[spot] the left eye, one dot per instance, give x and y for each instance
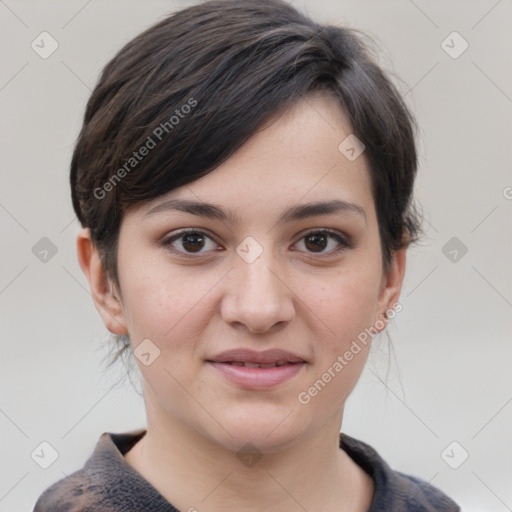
(318, 241)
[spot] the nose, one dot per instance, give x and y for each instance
(257, 296)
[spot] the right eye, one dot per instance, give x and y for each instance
(191, 241)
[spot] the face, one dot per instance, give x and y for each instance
(263, 297)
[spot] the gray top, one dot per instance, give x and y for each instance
(107, 483)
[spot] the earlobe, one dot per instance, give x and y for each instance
(103, 291)
(391, 286)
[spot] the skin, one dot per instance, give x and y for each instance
(298, 295)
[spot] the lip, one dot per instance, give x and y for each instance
(230, 365)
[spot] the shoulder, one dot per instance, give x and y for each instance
(70, 494)
(419, 496)
(103, 484)
(395, 490)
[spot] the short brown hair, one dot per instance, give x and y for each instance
(205, 79)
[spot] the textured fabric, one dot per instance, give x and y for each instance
(107, 483)
(395, 491)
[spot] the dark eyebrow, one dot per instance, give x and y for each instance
(297, 212)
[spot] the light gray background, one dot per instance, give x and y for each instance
(451, 377)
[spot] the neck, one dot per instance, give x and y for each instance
(195, 473)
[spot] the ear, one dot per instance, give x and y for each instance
(391, 286)
(103, 290)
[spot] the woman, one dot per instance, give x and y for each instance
(244, 181)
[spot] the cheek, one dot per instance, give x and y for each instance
(163, 305)
(171, 312)
(344, 315)
(345, 304)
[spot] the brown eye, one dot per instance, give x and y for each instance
(316, 242)
(189, 242)
(319, 241)
(192, 242)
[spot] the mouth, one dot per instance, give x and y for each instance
(257, 370)
(247, 364)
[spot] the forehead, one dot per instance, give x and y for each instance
(298, 156)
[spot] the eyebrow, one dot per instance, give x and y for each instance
(295, 213)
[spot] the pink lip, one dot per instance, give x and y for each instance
(257, 378)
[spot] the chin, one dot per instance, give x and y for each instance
(268, 428)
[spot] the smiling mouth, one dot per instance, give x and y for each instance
(258, 365)
(252, 370)
(257, 376)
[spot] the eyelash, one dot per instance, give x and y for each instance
(343, 242)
